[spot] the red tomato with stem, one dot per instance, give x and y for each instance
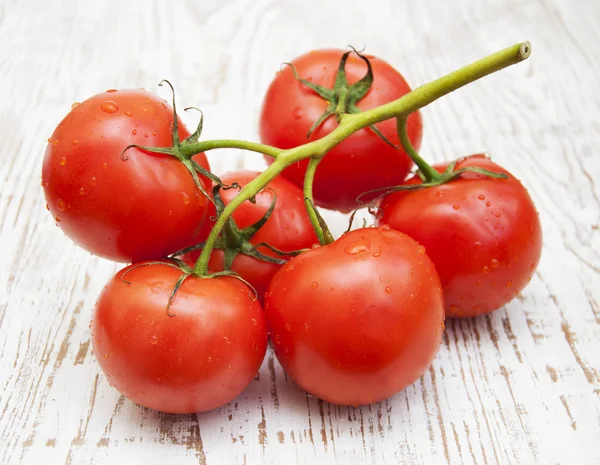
(483, 235)
(144, 208)
(358, 320)
(287, 229)
(199, 359)
(361, 162)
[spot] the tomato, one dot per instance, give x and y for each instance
(356, 321)
(142, 208)
(361, 162)
(483, 235)
(288, 228)
(199, 359)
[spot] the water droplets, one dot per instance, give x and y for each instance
(128, 113)
(134, 131)
(488, 203)
(110, 91)
(288, 327)
(305, 327)
(63, 161)
(358, 246)
(377, 253)
(75, 142)
(456, 206)
(109, 107)
(61, 205)
(105, 165)
(185, 198)
(486, 269)
(58, 219)
(477, 244)
(254, 322)
(509, 284)
(481, 197)
(420, 249)
(388, 290)
(74, 105)
(227, 340)
(156, 287)
(495, 263)
(314, 285)
(154, 340)
(81, 191)
(93, 181)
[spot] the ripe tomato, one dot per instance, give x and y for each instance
(199, 359)
(358, 320)
(288, 228)
(142, 208)
(483, 235)
(361, 162)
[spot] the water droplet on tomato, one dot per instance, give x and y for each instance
(456, 206)
(154, 340)
(154, 133)
(146, 135)
(305, 326)
(288, 327)
(495, 263)
(106, 355)
(486, 269)
(109, 107)
(388, 290)
(420, 249)
(456, 309)
(58, 219)
(73, 105)
(156, 287)
(209, 359)
(498, 214)
(134, 131)
(277, 339)
(63, 161)
(254, 322)
(111, 90)
(93, 181)
(128, 113)
(481, 197)
(227, 340)
(185, 198)
(61, 205)
(47, 207)
(488, 203)
(377, 253)
(314, 285)
(358, 246)
(290, 268)
(509, 284)
(315, 246)
(81, 191)
(532, 267)
(477, 244)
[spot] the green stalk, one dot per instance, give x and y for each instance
(425, 168)
(351, 123)
(189, 150)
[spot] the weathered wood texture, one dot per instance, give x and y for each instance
(520, 386)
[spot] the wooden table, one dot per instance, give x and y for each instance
(520, 386)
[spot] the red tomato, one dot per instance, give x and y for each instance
(199, 359)
(483, 235)
(142, 208)
(356, 321)
(361, 162)
(288, 228)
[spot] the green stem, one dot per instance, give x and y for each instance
(351, 123)
(319, 225)
(189, 150)
(425, 168)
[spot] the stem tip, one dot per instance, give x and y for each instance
(524, 51)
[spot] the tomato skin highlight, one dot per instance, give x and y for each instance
(144, 208)
(197, 360)
(356, 321)
(288, 228)
(483, 235)
(360, 163)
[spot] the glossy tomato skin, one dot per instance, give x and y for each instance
(288, 228)
(358, 320)
(197, 360)
(127, 211)
(361, 162)
(483, 235)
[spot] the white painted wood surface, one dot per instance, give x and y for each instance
(520, 386)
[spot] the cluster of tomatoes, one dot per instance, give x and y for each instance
(352, 321)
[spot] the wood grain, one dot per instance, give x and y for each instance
(520, 386)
